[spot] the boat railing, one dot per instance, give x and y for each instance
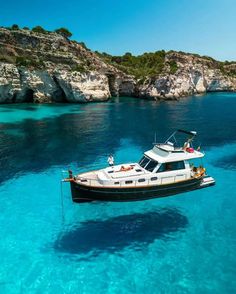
(124, 183)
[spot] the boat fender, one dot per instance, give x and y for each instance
(190, 150)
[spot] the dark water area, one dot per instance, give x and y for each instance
(179, 244)
(114, 234)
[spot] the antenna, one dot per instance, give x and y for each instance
(155, 138)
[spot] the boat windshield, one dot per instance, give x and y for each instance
(143, 162)
(148, 164)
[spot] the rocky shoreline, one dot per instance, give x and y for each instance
(45, 68)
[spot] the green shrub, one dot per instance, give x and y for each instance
(21, 61)
(233, 72)
(83, 45)
(15, 27)
(79, 67)
(208, 58)
(39, 29)
(145, 65)
(26, 28)
(29, 61)
(7, 58)
(64, 32)
(173, 66)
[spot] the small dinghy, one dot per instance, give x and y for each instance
(167, 169)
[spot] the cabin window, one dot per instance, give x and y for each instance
(141, 180)
(138, 170)
(178, 165)
(128, 182)
(153, 178)
(151, 165)
(162, 168)
(116, 183)
(144, 161)
(170, 166)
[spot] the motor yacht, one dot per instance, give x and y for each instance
(169, 168)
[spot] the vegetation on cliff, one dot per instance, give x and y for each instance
(68, 53)
(64, 32)
(151, 65)
(39, 29)
(145, 65)
(38, 48)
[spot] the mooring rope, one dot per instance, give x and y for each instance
(62, 204)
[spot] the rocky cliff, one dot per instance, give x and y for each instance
(193, 75)
(36, 67)
(43, 68)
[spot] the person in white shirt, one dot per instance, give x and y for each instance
(186, 145)
(110, 160)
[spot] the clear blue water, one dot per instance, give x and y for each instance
(179, 244)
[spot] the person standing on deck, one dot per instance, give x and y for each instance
(186, 144)
(110, 160)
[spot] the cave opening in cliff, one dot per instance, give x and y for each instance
(112, 85)
(14, 98)
(59, 95)
(29, 96)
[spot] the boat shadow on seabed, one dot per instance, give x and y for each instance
(116, 233)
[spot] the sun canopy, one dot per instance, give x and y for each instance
(192, 133)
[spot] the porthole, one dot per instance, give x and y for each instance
(128, 182)
(141, 180)
(153, 178)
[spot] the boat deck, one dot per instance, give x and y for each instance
(92, 179)
(89, 179)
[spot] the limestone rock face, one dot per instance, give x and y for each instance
(195, 75)
(38, 87)
(84, 87)
(44, 68)
(22, 85)
(9, 82)
(122, 85)
(215, 81)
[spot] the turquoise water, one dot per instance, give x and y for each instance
(180, 244)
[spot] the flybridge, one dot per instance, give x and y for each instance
(160, 154)
(175, 139)
(175, 148)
